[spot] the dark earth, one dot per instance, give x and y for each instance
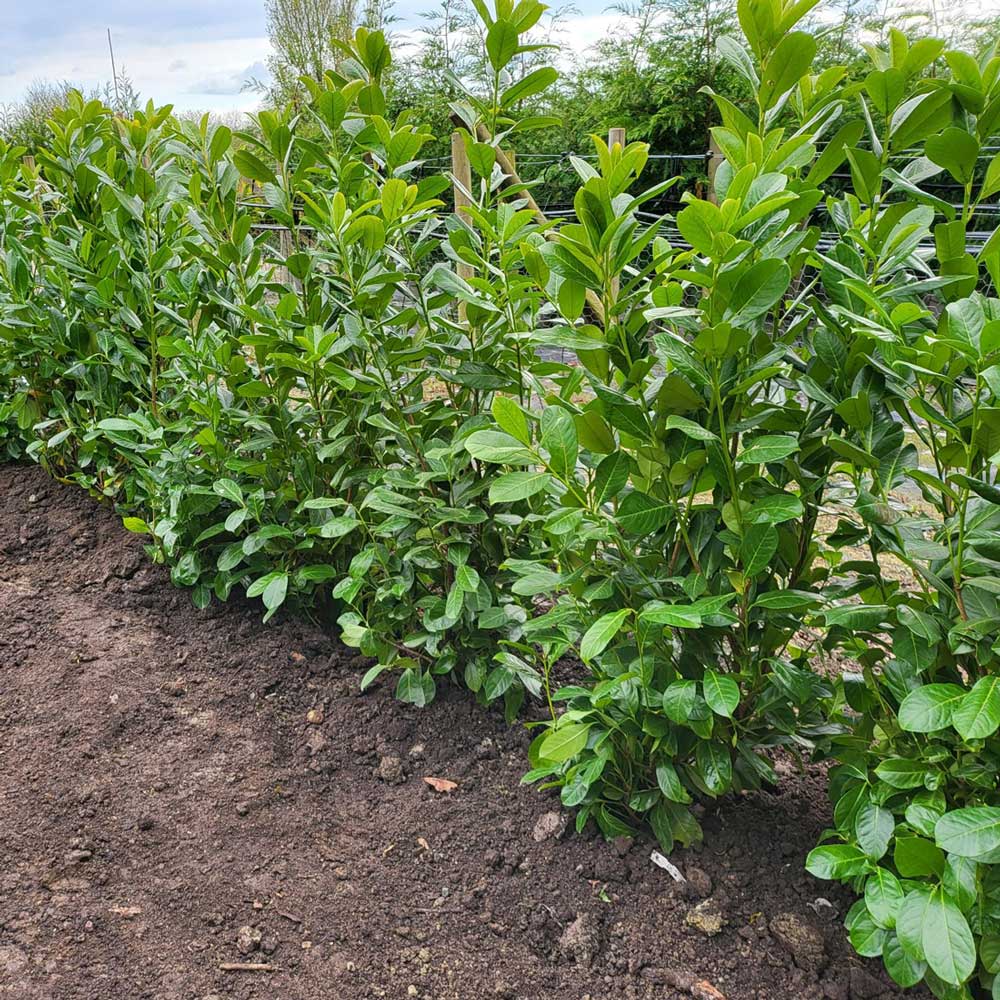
(184, 790)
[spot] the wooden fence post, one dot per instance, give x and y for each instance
(461, 171)
(503, 160)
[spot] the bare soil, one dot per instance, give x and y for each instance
(181, 790)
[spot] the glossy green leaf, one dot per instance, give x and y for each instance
(722, 693)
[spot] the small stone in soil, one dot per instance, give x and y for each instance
(864, 986)
(698, 885)
(622, 845)
(581, 941)
(837, 988)
(706, 917)
(702, 990)
(802, 941)
(550, 826)
(248, 939)
(390, 770)
(316, 741)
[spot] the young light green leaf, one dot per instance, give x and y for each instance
(874, 827)
(883, 897)
(515, 486)
(564, 742)
(970, 833)
(949, 947)
(837, 861)
(496, 446)
(597, 637)
(977, 715)
(929, 708)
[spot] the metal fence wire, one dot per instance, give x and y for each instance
(552, 181)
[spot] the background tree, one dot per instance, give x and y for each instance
(304, 36)
(24, 122)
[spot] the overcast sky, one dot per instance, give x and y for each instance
(194, 54)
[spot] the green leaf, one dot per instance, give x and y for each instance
(904, 970)
(989, 951)
(466, 579)
(495, 446)
(900, 772)
(774, 509)
(679, 700)
(641, 514)
(674, 615)
(923, 812)
(916, 856)
(559, 440)
(955, 150)
(228, 489)
(883, 897)
(597, 637)
(518, 486)
(722, 693)
(920, 117)
(757, 547)
(874, 827)
(511, 418)
(670, 784)
(372, 674)
(252, 167)
(262, 583)
(690, 428)
(910, 922)
(759, 288)
(977, 715)
(969, 833)
(715, 766)
(415, 687)
(699, 223)
(960, 881)
(501, 43)
(768, 448)
(338, 527)
(949, 947)
(837, 861)
(785, 66)
(275, 592)
(929, 708)
(610, 477)
(136, 525)
(533, 83)
(786, 600)
(564, 742)
(867, 938)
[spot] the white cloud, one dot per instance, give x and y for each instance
(203, 75)
(196, 54)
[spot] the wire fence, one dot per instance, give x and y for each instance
(552, 180)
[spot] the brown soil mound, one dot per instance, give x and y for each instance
(183, 790)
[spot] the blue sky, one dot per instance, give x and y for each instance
(195, 54)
